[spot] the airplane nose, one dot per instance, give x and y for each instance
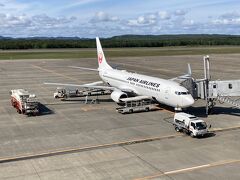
(187, 101)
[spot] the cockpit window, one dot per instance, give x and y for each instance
(177, 93)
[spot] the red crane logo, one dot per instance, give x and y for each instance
(100, 57)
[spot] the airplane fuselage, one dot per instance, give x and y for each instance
(164, 91)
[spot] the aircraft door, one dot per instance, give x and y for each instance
(167, 92)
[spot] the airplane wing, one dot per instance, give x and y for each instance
(182, 78)
(91, 86)
(83, 68)
(94, 83)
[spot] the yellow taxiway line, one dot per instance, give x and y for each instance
(178, 171)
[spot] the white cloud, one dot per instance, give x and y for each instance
(231, 18)
(164, 22)
(164, 15)
(149, 19)
(44, 20)
(103, 17)
(230, 15)
(146, 20)
(180, 12)
(227, 21)
(160, 17)
(7, 20)
(23, 25)
(41, 21)
(188, 22)
(32, 23)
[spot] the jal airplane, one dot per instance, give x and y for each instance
(123, 83)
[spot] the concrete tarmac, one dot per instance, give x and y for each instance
(65, 125)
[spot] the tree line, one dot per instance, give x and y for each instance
(120, 41)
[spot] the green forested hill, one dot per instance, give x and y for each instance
(120, 41)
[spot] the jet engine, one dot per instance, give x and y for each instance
(117, 95)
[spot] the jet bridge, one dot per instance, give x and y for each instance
(213, 90)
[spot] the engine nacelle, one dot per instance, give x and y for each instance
(117, 95)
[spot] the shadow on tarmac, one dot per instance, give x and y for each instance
(88, 101)
(208, 135)
(201, 111)
(44, 110)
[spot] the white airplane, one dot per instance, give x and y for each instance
(123, 84)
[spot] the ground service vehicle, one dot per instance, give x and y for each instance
(24, 102)
(189, 124)
(64, 93)
(136, 104)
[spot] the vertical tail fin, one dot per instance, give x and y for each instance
(102, 63)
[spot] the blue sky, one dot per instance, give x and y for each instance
(106, 18)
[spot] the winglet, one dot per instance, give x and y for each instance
(189, 70)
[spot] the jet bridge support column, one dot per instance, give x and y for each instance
(207, 78)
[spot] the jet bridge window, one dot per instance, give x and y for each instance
(230, 86)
